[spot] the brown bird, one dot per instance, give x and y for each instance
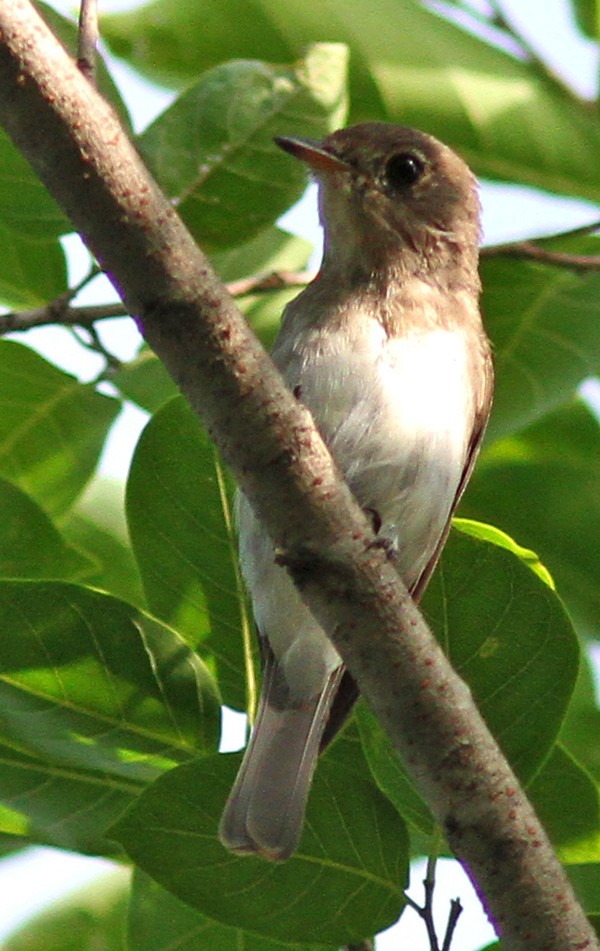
(386, 348)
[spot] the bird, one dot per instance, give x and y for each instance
(387, 349)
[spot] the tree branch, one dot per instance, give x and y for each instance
(59, 311)
(74, 141)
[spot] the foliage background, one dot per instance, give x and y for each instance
(102, 695)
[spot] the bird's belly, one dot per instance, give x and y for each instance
(398, 418)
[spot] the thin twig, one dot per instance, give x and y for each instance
(275, 280)
(59, 311)
(455, 912)
(88, 39)
(533, 252)
(95, 345)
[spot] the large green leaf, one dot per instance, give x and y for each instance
(543, 322)
(90, 919)
(30, 545)
(52, 428)
(158, 921)
(409, 65)
(97, 699)
(345, 881)
(31, 272)
(212, 150)
(507, 635)
(178, 509)
(542, 486)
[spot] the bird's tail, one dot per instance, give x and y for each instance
(265, 810)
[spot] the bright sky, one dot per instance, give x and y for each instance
(31, 881)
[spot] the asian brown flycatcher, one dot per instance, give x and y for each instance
(386, 348)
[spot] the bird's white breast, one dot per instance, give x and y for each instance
(397, 414)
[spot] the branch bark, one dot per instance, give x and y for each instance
(74, 141)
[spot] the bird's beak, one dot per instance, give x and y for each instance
(311, 152)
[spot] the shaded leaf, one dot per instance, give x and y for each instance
(52, 428)
(212, 149)
(111, 567)
(543, 322)
(31, 272)
(158, 921)
(182, 538)
(89, 919)
(345, 881)
(581, 728)
(542, 485)
(507, 635)
(562, 779)
(25, 206)
(30, 545)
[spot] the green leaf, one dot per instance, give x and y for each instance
(271, 250)
(212, 149)
(543, 322)
(581, 728)
(90, 919)
(26, 208)
(344, 883)
(30, 545)
(587, 15)
(585, 879)
(91, 682)
(97, 699)
(31, 272)
(560, 779)
(160, 922)
(111, 567)
(145, 381)
(508, 636)
(542, 486)
(178, 509)
(52, 428)
(409, 65)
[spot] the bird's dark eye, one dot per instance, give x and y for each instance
(403, 170)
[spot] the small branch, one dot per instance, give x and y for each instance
(95, 345)
(88, 39)
(533, 252)
(269, 282)
(55, 313)
(59, 311)
(456, 910)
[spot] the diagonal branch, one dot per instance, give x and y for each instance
(73, 140)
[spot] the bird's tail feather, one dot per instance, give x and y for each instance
(265, 810)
